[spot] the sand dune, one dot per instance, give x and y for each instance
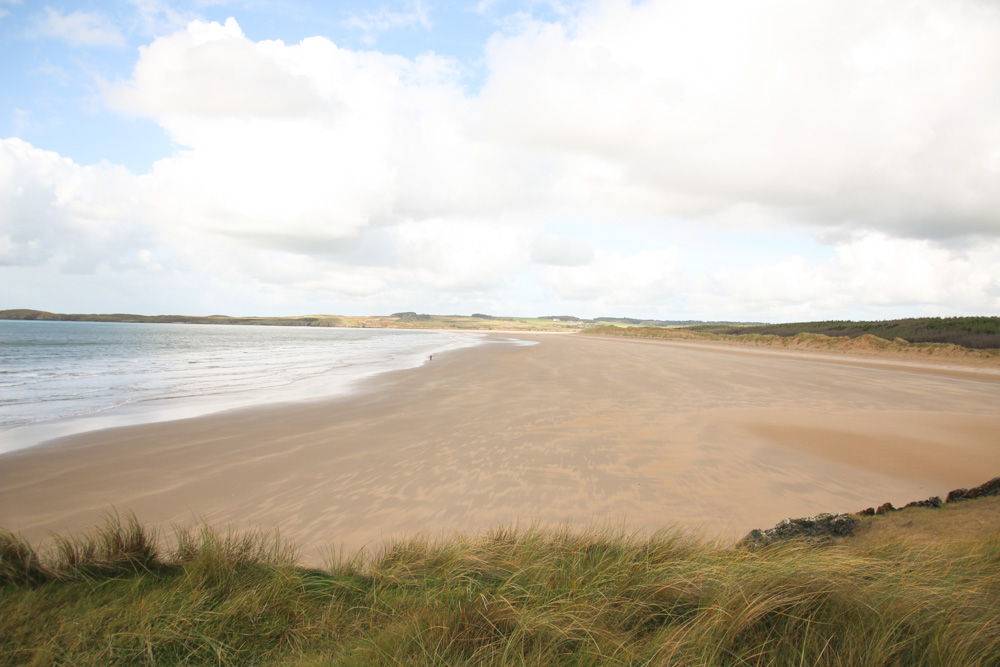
(573, 430)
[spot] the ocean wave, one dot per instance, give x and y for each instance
(82, 369)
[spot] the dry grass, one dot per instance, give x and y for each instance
(507, 597)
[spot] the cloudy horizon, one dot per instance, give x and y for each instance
(671, 159)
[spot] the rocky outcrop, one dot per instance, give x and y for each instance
(819, 529)
(825, 528)
(990, 488)
(932, 502)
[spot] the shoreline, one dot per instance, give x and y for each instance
(339, 378)
(575, 431)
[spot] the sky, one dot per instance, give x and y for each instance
(774, 160)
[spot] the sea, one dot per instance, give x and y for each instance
(63, 378)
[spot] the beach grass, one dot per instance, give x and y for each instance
(803, 339)
(119, 596)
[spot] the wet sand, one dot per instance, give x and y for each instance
(574, 431)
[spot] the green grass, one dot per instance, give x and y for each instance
(118, 597)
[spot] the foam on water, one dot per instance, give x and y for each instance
(60, 378)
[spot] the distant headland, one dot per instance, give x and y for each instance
(977, 333)
(402, 320)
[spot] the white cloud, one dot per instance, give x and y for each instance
(74, 218)
(78, 28)
(871, 276)
(307, 141)
(832, 113)
(627, 280)
(560, 251)
(450, 255)
(212, 72)
(854, 116)
(308, 168)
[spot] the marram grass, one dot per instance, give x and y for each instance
(518, 597)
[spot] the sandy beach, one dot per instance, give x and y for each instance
(574, 431)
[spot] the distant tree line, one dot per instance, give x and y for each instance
(410, 316)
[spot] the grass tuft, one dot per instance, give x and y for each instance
(19, 563)
(234, 548)
(121, 544)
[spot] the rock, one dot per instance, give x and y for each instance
(990, 488)
(885, 508)
(956, 494)
(934, 502)
(820, 529)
